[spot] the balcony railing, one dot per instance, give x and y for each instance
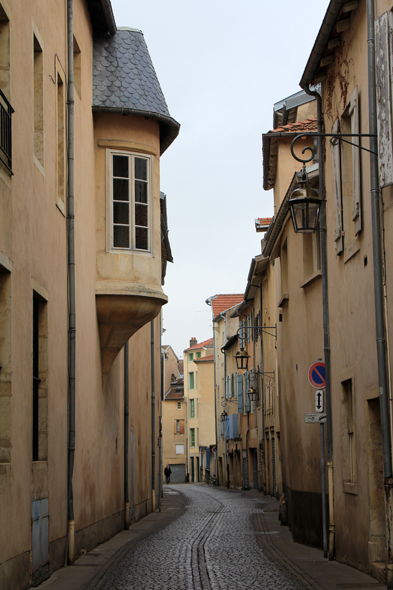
(6, 111)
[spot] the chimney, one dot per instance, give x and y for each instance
(193, 342)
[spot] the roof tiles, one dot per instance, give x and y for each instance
(204, 344)
(221, 303)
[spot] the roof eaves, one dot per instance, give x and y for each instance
(169, 128)
(278, 220)
(102, 16)
(328, 24)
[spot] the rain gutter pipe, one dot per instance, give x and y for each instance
(378, 290)
(71, 286)
(209, 302)
(262, 397)
(126, 433)
(328, 549)
(153, 417)
(223, 316)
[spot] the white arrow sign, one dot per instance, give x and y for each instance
(319, 400)
(311, 418)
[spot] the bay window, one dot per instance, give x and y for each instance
(130, 226)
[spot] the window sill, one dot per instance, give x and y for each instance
(350, 488)
(351, 250)
(311, 278)
(283, 299)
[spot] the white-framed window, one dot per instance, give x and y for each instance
(179, 449)
(129, 201)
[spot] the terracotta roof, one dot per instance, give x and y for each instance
(221, 303)
(204, 344)
(176, 390)
(203, 359)
(270, 147)
(262, 223)
(307, 125)
(174, 394)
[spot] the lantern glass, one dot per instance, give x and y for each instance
(242, 359)
(305, 205)
(252, 394)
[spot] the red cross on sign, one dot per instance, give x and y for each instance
(316, 375)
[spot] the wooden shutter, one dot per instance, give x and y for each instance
(240, 394)
(226, 387)
(230, 383)
(383, 62)
(181, 426)
(175, 424)
(338, 234)
(354, 114)
(246, 388)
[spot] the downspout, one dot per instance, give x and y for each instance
(126, 431)
(326, 329)
(223, 316)
(262, 400)
(162, 361)
(225, 385)
(71, 286)
(153, 418)
(378, 290)
(209, 302)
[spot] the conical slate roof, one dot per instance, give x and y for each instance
(124, 80)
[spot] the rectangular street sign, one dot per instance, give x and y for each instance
(311, 418)
(319, 400)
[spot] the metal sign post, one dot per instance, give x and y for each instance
(316, 378)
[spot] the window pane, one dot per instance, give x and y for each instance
(141, 168)
(140, 191)
(121, 213)
(141, 215)
(141, 238)
(121, 236)
(120, 189)
(120, 166)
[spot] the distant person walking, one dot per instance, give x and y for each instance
(167, 472)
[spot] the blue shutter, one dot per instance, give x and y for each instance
(207, 457)
(240, 394)
(247, 387)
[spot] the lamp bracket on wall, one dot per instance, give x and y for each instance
(334, 139)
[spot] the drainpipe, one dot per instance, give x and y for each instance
(153, 418)
(326, 331)
(126, 431)
(378, 291)
(162, 361)
(225, 384)
(262, 399)
(71, 286)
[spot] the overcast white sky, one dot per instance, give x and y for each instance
(221, 65)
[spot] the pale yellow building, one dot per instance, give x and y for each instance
(82, 253)
(199, 395)
(174, 414)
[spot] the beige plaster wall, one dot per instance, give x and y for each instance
(33, 247)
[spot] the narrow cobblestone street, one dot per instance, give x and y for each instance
(220, 541)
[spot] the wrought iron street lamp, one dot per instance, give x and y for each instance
(252, 394)
(305, 205)
(242, 359)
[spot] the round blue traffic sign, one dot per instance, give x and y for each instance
(316, 375)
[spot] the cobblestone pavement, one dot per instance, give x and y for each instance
(218, 543)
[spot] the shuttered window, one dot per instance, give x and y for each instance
(347, 176)
(240, 394)
(247, 387)
(192, 437)
(179, 426)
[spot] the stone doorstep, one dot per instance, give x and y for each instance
(378, 571)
